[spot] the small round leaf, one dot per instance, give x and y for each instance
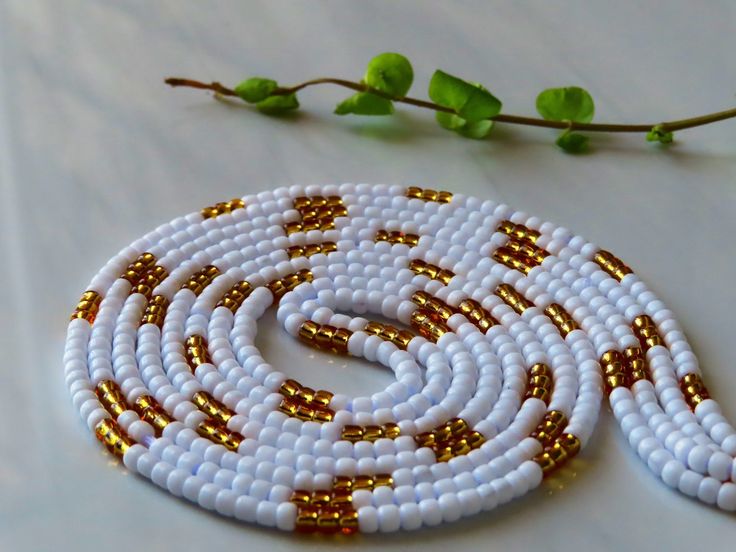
(571, 103)
(470, 100)
(275, 105)
(365, 103)
(390, 73)
(572, 142)
(255, 89)
(476, 130)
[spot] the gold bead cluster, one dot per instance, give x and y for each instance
(396, 237)
(400, 338)
(201, 279)
(152, 412)
(451, 439)
(480, 317)
(217, 433)
(355, 433)
(109, 432)
(614, 370)
(636, 364)
(418, 266)
(438, 309)
(611, 264)
(520, 255)
(138, 268)
(513, 298)
(222, 208)
(310, 249)
(562, 449)
(646, 331)
(109, 394)
(281, 286)
(550, 428)
(623, 369)
(156, 311)
(561, 318)
(317, 213)
(212, 407)
(540, 382)
(305, 403)
(234, 297)
(325, 337)
(694, 390)
(427, 326)
(518, 232)
(149, 280)
(331, 510)
(196, 351)
(428, 194)
(87, 307)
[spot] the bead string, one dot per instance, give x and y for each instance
(506, 333)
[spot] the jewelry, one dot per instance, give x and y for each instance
(508, 332)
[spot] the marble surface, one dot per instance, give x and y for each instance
(95, 151)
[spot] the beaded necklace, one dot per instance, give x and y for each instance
(505, 334)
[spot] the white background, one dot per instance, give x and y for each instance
(95, 151)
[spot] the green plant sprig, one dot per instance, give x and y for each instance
(464, 107)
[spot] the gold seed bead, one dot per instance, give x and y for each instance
(288, 407)
(372, 433)
(212, 407)
(363, 482)
(540, 369)
(570, 442)
(352, 433)
(217, 433)
(444, 454)
(507, 258)
(322, 398)
(300, 497)
(475, 439)
(306, 519)
(290, 388)
(612, 265)
(323, 415)
(426, 439)
(348, 522)
(305, 394)
(342, 482)
(391, 430)
(518, 231)
(308, 331)
(304, 412)
(111, 397)
(513, 298)
(546, 462)
(113, 437)
(320, 497)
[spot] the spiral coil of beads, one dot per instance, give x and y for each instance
(503, 333)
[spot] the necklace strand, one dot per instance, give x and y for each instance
(505, 334)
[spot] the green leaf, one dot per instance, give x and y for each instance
(255, 89)
(476, 129)
(275, 105)
(470, 100)
(390, 73)
(365, 103)
(659, 134)
(566, 104)
(572, 142)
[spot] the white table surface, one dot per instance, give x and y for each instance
(95, 151)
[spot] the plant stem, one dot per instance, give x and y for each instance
(669, 126)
